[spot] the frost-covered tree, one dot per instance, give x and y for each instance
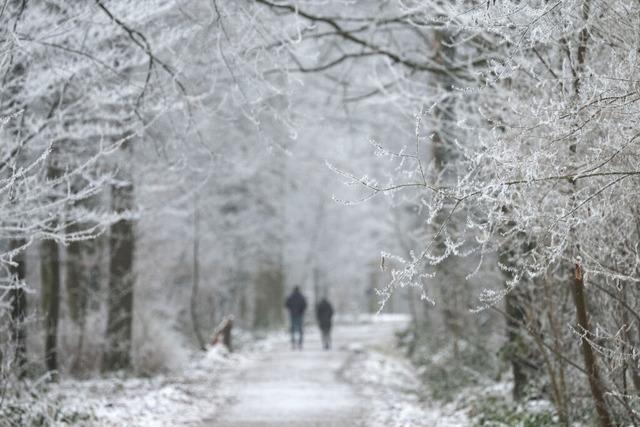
(73, 99)
(543, 99)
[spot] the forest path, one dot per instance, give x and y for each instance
(286, 388)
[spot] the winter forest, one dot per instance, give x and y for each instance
(459, 179)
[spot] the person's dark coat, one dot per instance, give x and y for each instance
(324, 313)
(296, 303)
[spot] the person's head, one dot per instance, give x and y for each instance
(296, 288)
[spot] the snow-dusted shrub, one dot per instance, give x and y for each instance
(157, 346)
(491, 410)
(28, 404)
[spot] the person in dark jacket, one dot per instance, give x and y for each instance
(324, 313)
(296, 304)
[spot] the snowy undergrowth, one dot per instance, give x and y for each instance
(466, 379)
(164, 400)
(493, 407)
(399, 398)
(395, 394)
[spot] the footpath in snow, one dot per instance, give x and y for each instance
(362, 382)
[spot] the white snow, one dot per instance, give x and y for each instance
(360, 382)
(354, 384)
(395, 395)
(186, 398)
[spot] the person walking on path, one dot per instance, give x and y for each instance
(296, 304)
(324, 313)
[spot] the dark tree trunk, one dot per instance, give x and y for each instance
(226, 334)
(590, 362)
(50, 277)
(50, 273)
(515, 322)
(79, 280)
(196, 277)
(514, 305)
(82, 279)
(121, 281)
(18, 331)
(76, 286)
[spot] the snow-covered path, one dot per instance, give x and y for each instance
(364, 382)
(282, 387)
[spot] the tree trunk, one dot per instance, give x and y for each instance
(269, 298)
(50, 273)
(629, 344)
(515, 322)
(76, 293)
(82, 279)
(82, 275)
(452, 299)
(121, 280)
(557, 376)
(516, 329)
(590, 363)
(196, 276)
(226, 334)
(18, 331)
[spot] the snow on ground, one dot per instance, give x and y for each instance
(362, 382)
(280, 387)
(394, 394)
(182, 399)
